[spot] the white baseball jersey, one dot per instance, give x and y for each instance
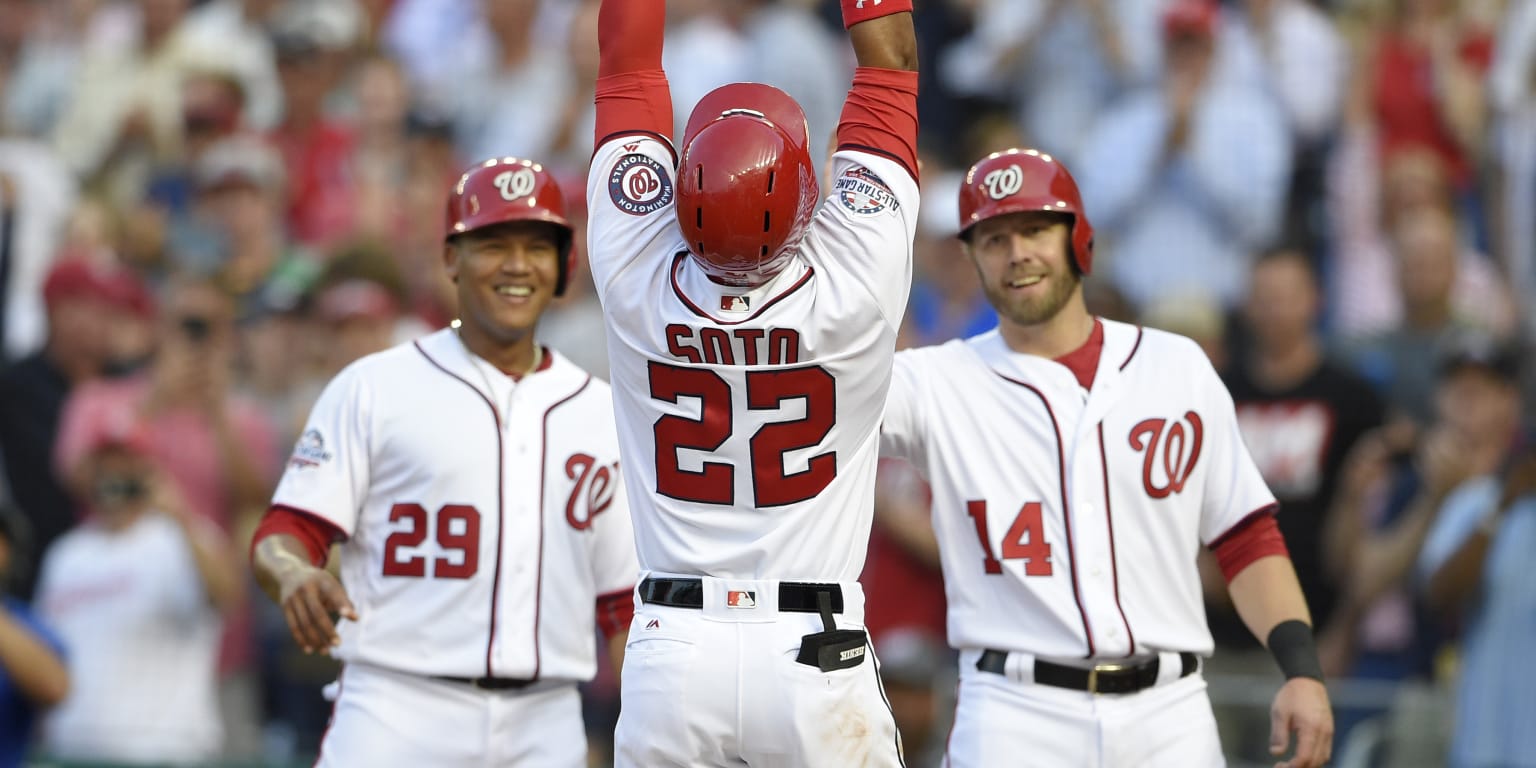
(749, 418)
(1069, 520)
(483, 515)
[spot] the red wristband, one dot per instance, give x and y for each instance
(856, 11)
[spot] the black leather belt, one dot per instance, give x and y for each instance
(794, 596)
(1100, 678)
(490, 683)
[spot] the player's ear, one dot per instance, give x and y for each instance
(451, 260)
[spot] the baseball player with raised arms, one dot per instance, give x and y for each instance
(750, 342)
(1077, 465)
(473, 477)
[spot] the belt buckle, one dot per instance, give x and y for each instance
(1093, 674)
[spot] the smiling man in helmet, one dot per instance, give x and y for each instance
(471, 477)
(750, 339)
(1074, 482)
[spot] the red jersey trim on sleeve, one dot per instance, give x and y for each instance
(615, 610)
(1257, 536)
(634, 102)
(880, 115)
(314, 532)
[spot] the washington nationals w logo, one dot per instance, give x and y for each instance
(1003, 182)
(594, 483)
(1157, 437)
(514, 184)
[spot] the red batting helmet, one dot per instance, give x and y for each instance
(746, 186)
(505, 189)
(1018, 180)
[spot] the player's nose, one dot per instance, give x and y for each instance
(516, 261)
(1020, 249)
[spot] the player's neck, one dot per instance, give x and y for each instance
(518, 358)
(1062, 334)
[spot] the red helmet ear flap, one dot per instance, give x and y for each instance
(1018, 180)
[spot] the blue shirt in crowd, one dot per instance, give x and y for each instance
(1496, 695)
(18, 717)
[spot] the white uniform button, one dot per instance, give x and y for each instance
(1114, 632)
(1086, 509)
(1097, 571)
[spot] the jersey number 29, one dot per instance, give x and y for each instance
(715, 482)
(463, 538)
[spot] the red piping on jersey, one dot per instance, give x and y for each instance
(330, 721)
(1134, 347)
(677, 263)
(1114, 562)
(1066, 511)
(500, 502)
(538, 588)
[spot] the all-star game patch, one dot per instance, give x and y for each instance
(638, 185)
(861, 191)
(310, 450)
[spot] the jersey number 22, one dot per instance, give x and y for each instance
(715, 482)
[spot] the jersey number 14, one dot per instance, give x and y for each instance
(1025, 539)
(715, 481)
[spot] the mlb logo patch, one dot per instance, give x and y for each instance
(735, 304)
(740, 599)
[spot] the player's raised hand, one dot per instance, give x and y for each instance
(310, 596)
(1301, 707)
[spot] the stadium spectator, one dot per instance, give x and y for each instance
(1187, 177)
(83, 298)
(33, 677)
(1400, 362)
(1475, 568)
(1061, 63)
(135, 593)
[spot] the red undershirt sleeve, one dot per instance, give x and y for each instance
(632, 91)
(316, 534)
(1254, 538)
(615, 610)
(880, 115)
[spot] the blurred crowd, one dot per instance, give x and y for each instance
(208, 208)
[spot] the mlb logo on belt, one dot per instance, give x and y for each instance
(738, 599)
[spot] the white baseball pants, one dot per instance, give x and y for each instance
(1003, 720)
(719, 686)
(388, 719)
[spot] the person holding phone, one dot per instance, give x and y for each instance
(136, 593)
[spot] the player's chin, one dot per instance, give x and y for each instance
(516, 320)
